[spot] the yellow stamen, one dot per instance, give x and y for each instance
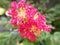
(35, 30)
(22, 12)
(35, 16)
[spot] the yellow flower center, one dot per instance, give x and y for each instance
(35, 16)
(22, 13)
(35, 30)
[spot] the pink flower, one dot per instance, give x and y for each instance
(14, 5)
(29, 30)
(29, 21)
(13, 21)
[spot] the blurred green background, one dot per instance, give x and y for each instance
(49, 8)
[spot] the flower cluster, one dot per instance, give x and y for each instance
(29, 21)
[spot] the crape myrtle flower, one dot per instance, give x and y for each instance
(29, 21)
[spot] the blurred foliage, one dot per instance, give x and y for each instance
(7, 38)
(5, 3)
(4, 24)
(52, 15)
(11, 38)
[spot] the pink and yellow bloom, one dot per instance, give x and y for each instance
(29, 21)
